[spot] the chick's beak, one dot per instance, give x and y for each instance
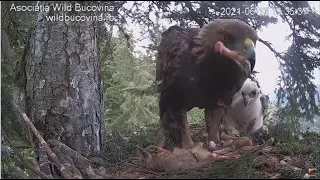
(249, 52)
(245, 100)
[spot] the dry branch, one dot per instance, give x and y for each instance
(29, 166)
(99, 162)
(67, 162)
(65, 173)
(82, 163)
(269, 45)
(269, 142)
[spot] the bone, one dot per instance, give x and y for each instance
(223, 157)
(212, 145)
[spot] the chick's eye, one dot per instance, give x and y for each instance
(254, 93)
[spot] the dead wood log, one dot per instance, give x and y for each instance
(67, 162)
(29, 166)
(82, 163)
(43, 159)
(65, 172)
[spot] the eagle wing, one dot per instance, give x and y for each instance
(174, 46)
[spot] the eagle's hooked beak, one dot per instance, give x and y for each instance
(245, 100)
(249, 52)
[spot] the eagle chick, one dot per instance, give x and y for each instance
(247, 110)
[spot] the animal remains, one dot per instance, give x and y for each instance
(159, 159)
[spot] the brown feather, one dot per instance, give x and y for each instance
(175, 42)
(215, 31)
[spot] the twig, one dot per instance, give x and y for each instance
(294, 19)
(150, 48)
(199, 20)
(277, 176)
(267, 143)
(268, 44)
(99, 161)
(126, 35)
(65, 173)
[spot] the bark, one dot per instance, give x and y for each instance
(63, 88)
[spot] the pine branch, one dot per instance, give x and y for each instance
(269, 45)
(200, 21)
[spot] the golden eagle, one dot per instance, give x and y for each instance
(201, 67)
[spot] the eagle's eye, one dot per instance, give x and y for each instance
(227, 38)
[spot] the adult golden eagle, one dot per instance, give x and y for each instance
(202, 67)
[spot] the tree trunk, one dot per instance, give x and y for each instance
(63, 89)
